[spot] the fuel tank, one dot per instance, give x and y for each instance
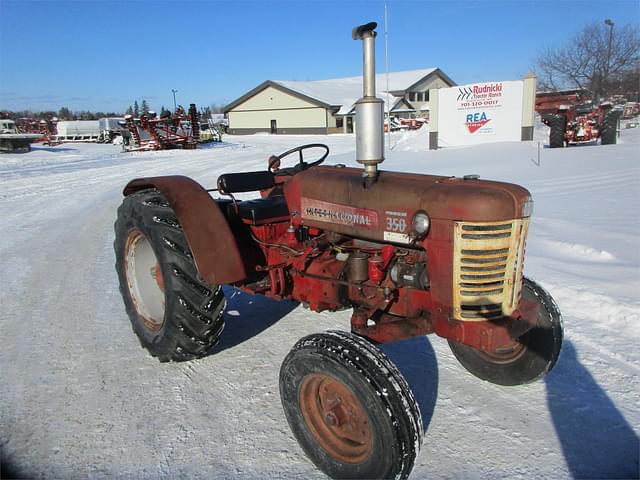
(335, 198)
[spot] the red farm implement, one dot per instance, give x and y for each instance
(179, 130)
(572, 119)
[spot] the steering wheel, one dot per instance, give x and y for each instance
(274, 160)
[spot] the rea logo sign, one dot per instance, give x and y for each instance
(482, 112)
(476, 121)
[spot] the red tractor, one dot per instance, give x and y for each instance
(410, 254)
(572, 124)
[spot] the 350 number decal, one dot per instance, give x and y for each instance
(396, 224)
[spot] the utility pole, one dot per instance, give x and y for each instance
(609, 23)
(175, 107)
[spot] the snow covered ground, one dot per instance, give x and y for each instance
(80, 398)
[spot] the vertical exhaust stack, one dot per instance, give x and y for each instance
(369, 109)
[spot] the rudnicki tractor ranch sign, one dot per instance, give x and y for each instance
(480, 113)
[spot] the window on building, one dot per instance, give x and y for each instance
(413, 96)
(339, 122)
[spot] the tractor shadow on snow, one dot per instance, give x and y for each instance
(416, 360)
(247, 315)
(596, 439)
(52, 149)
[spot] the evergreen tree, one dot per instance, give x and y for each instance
(163, 112)
(64, 113)
(136, 109)
(129, 111)
(145, 107)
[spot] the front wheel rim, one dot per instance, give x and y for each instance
(144, 280)
(509, 353)
(336, 419)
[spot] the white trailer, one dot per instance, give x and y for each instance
(78, 131)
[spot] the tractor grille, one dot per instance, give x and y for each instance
(487, 268)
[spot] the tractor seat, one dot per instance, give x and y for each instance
(245, 182)
(264, 210)
(258, 211)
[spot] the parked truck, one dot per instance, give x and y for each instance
(13, 141)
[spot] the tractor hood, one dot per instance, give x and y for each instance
(334, 198)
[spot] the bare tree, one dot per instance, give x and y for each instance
(217, 108)
(599, 58)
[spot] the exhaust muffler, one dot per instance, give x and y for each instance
(369, 109)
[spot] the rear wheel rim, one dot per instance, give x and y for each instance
(336, 419)
(144, 280)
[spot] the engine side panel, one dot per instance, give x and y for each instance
(335, 198)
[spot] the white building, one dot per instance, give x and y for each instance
(328, 106)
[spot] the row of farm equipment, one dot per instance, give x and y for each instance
(181, 129)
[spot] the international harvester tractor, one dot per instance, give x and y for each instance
(410, 254)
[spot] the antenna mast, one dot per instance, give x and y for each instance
(386, 65)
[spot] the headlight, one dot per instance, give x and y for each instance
(421, 223)
(527, 208)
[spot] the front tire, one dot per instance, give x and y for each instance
(531, 357)
(175, 314)
(350, 408)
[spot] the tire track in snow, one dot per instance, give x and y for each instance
(588, 187)
(50, 327)
(595, 178)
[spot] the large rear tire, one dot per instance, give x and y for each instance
(557, 126)
(530, 357)
(175, 314)
(350, 408)
(609, 128)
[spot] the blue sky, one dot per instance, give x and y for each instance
(103, 55)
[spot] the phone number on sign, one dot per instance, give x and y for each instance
(483, 103)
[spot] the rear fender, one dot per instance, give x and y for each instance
(214, 248)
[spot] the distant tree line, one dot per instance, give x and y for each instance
(602, 58)
(142, 108)
(62, 114)
(136, 110)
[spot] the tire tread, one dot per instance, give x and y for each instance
(193, 308)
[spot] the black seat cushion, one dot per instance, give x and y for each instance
(262, 209)
(245, 182)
